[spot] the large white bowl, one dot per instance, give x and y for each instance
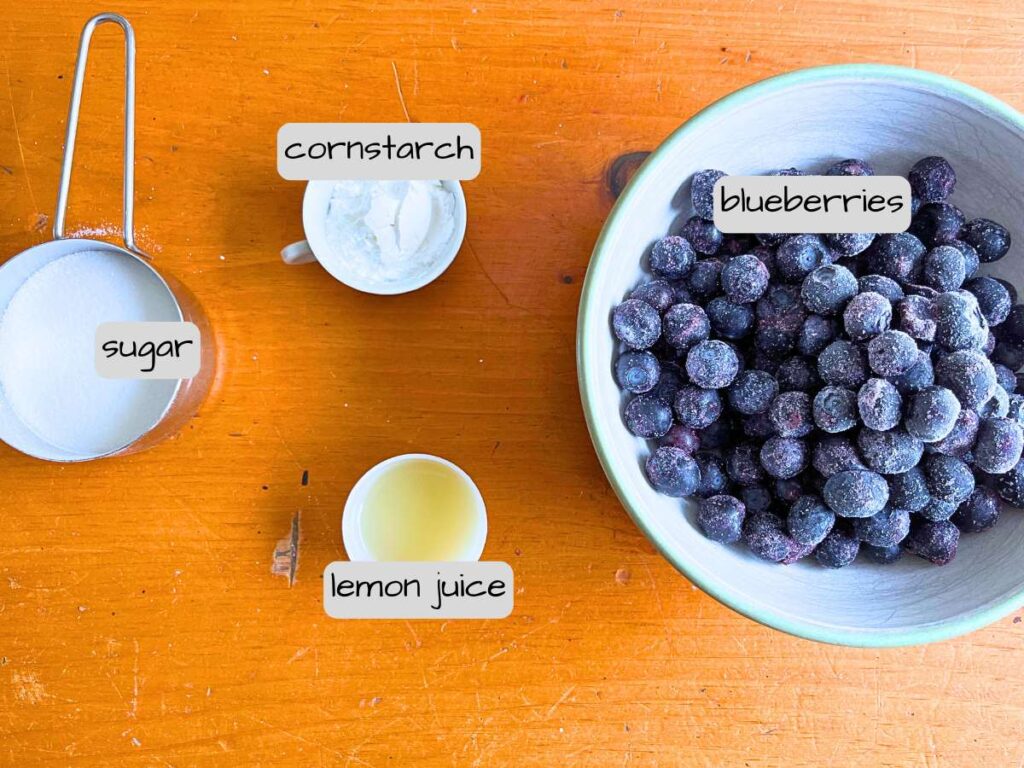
(890, 116)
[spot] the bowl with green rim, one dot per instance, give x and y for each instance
(891, 117)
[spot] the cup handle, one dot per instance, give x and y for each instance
(298, 253)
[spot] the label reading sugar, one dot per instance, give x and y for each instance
(406, 590)
(147, 350)
(822, 204)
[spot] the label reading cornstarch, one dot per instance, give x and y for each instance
(384, 151)
(822, 204)
(147, 350)
(399, 590)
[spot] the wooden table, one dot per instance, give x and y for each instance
(140, 621)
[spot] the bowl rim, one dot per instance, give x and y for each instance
(599, 434)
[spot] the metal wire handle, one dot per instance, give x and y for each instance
(129, 126)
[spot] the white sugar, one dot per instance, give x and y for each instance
(47, 337)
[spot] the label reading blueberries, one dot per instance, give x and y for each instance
(147, 350)
(818, 204)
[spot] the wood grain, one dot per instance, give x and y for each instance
(140, 623)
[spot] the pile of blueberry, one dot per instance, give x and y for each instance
(827, 395)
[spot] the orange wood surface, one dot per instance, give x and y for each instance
(140, 621)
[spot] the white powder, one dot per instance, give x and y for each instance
(47, 337)
(388, 231)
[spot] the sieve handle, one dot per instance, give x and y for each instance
(129, 125)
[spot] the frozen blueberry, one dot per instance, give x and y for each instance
(703, 280)
(892, 353)
(669, 383)
(856, 493)
(989, 239)
(1005, 378)
(886, 286)
(838, 550)
(781, 310)
(835, 409)
(826, 290)
(719, 435)
(721, 518)
(969, 374)
(879, 404)
(843, 363)
(809, 520)
(712, 364)
(849, 243)
(920, 376)
(702, 192)
(756, 498)
(728, 319)
(867, 315)
(771, 343)
(735, 244)
(943, 268)
(997, 406)
(934, 541)
(697, 408)
(937, 510)
(684, 438)
(961, 438)
(891, 452)
(788, 491)
(713, 479)
(883, 555)
(1010, 486)
(850, 168)
(648, 416)
(757, 426)
(752, 392)
(703, 235)
(765, 536)
(999, 445)
(783, 457)
(788, 172)
(816, 333)
(1009, 351)
(883, 529)
(990, 343)
(636, 323)
(790, 414)
(798, 374)
(909, 490)
(898, 256)
(671, 471)
(971, 260)
(915, 316)
(685, 325)
(743, 464)
(798, 255)
(932, 414)
(672, 257)
(959, 323)
(978, 513)
(1015, 409)
(949, 479)
(744, 279)
(932, 179)
(1010, 287)
(637, 372)
(993, 298)
(833, 454)
(937, 223)
(658, 293)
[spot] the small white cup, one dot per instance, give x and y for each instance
(315, 247)
(352, 517)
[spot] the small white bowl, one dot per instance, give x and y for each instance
(315, 247)
(352, 517)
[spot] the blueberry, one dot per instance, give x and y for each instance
(909, 490)
(990, 343)
(827, 289)
(671, 471)
(978, 513)
(835, 409)
(734, 244)
(773, 343)
(790, 414)
(867, 315)
(934, 541)
(937, 223)
(702, 192)
(969, 374)
(849, 243)
(816, 333)
(879, 404)
(672, 257)
(932, 414)
(989, 239)
(721, 518)
(837, 550)
(648, 416)
(999, 445)
(798, 374)
(697, 408)
(658, 293)
(684, 438)
(843, 363)
(765, 536)
(637, 372)
(920, 376)
(781, 310)
(850, 168)
(713, 479)
(798, 255)
(943, 268)
(743, 464)
(993, 298)
(892, 353)
(685, 325)
(997, 406)
(1015, 409)
(809, 520)
(1010, 486)
(752, 392)
(712, 364)
(1005, 378)
(833, 454)
(932, 179)
(783, 457)
(937, 510)
(788, 172)
(669, 383)
(757, 426)
(886, 286)
(717, 436)
(915, 316)
(730, 320)
(961, 438)
(949, 479)
(971, 260)
(636, 323)
(891, 452)
(756, 498)
(959, 323)
(788, 491)
(703, 235)
(883, 555)
(703, 280)
(1009, 351)
(744, 279)
(856, 493)
(898, 256)
(883, 529)
(1010, 287)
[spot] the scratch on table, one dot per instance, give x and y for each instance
(27, 688)
(17, 134)
(286, 553)
(133, 710)
(401, 96)
(561, 700)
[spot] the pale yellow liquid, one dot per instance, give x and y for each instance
(419, 510)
